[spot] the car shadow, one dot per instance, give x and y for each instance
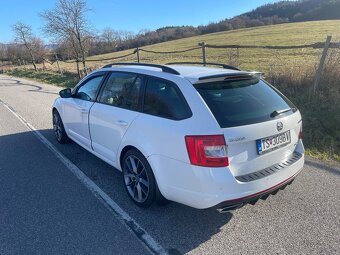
(176, 227)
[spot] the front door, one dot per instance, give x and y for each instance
(113, 113)
(76, 109)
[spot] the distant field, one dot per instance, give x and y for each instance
(250, 59)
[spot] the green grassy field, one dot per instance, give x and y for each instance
(292, 71)
(67, 79)
(249, 59)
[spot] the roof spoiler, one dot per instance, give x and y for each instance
(204, 64)
(231, 77)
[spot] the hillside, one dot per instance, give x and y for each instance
(303, 10)
(277, 13)
(251, 59)
(269, 14)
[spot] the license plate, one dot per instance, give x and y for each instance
(271, 143)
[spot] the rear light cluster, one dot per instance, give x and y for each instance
(207, 150)
(300, 133)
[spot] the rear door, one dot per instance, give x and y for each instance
(260, 125)
(76, 108)
(116, 108)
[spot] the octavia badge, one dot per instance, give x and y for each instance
(279, 126)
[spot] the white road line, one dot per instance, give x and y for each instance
(120, 214)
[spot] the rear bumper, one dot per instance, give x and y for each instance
(233, 204)
(203, 188)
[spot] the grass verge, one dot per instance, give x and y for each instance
(66, 79)
(320, 111)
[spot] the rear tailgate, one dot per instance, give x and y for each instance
(243, 152)
(261, 126)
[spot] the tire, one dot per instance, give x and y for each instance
(58, 128)
(139, 180)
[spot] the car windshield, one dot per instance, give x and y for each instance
(243, 102)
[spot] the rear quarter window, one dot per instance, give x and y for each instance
(163, 99)
(242, 102)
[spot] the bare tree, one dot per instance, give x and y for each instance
(126, 35)
(24, 36)
(68, 21)
(14, 52)
(110, 37)
(39, 49)
(3, 52)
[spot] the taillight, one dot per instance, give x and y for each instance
(300, 133)
(207, 150)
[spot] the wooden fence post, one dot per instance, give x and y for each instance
(78, 69)
(56, 58)
(322, 63)
(204, 57)
(137, 51)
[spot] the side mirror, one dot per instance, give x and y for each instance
(65, 93)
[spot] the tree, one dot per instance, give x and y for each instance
(110, 37)
(3, 52)
(24, 36)
(14, 52)
(68, 21)
(39, 50)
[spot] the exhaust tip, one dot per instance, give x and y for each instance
(229, 208)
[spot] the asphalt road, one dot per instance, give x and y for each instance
(45, 209)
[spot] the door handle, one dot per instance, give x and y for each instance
(121, 122)
(82, 110)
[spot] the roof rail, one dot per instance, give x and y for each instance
(208, 63)
(164, 68)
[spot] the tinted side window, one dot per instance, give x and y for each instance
(163, 100)
(89, 89)
(122, 90)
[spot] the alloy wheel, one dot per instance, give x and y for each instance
(57, 127)
(136, 179)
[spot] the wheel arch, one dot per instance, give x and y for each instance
(124, 151)
(57, 107)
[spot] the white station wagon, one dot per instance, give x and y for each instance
(201, 136)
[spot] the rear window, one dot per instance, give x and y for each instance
(243, 102)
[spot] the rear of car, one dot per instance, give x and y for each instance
(255, 150)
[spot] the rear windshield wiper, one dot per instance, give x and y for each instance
(277, 113)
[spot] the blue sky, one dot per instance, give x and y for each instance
(131, 15)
